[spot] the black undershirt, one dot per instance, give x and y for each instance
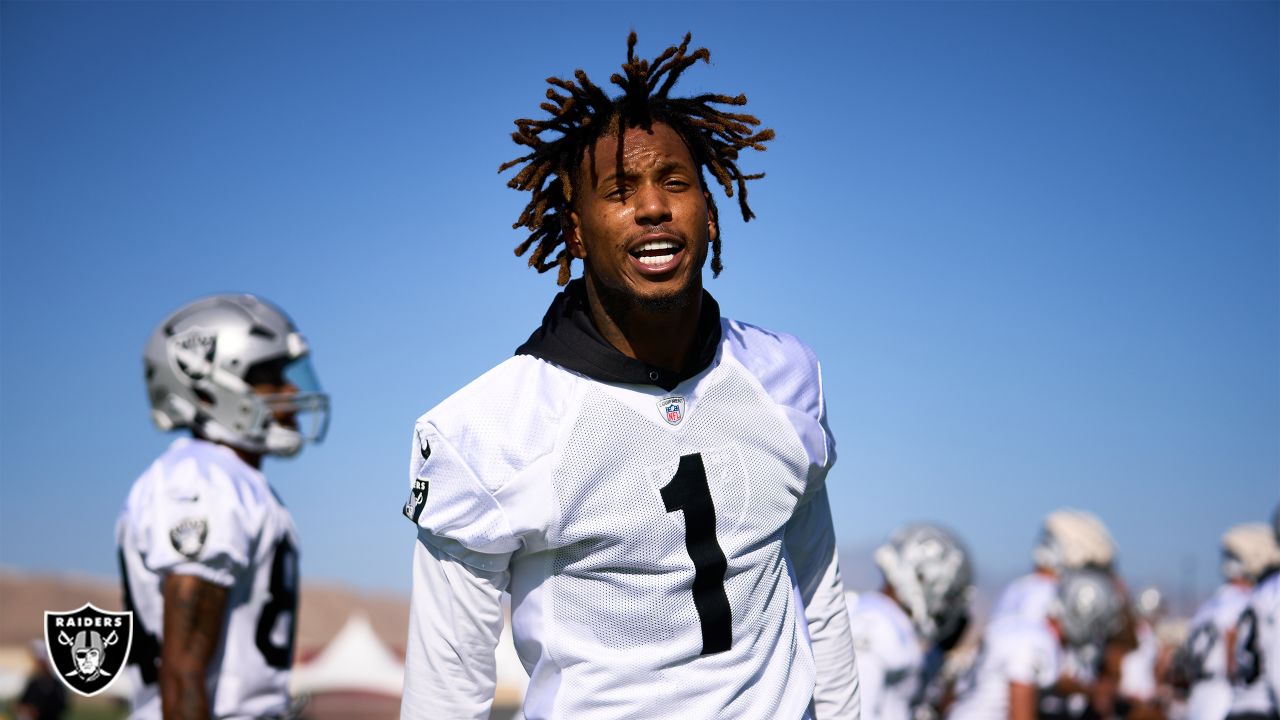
(569, 338)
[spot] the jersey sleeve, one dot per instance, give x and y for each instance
(455, 621)
(791, 375)
(198, 522)
(811, 547)
(478, 463)
(459, 514)
(1032, 660)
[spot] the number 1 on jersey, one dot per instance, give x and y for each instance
(689, 493)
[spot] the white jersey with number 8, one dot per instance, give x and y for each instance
(200, 510)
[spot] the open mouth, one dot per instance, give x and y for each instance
(658, 255)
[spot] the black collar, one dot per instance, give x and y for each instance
(569, 339)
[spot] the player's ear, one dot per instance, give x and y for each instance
(573, 237)
(713, 227)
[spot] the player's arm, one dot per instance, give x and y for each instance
(810, 541)
(1022, 701)
(455, 620)
(193, 615)
(1229, 647)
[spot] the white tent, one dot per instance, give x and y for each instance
(354, 661)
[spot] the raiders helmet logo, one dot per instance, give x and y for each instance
(188, 536)
(88, 647)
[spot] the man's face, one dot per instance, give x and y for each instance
(642, 228)
(87, 661)
(269, 379)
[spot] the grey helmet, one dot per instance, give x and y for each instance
(1087, 608)
(203, 361)
(929, 570)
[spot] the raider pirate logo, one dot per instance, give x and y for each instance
(88, 647)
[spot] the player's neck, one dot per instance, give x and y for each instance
(253, 460)
(662, 336)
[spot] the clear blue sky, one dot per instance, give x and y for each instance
(1034, 244)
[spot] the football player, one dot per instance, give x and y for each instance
(925, 599)
(1020, 656)
(1069, 539)
(208, 553)
(1204, 662)
(644, 477)
(1255, 677)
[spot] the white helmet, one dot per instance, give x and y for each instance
(1248, 551)
(203, 362)
(1088, 607)
(929, 570)
(1072, 539)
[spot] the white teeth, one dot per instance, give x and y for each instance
(657, 245)
(656, 259)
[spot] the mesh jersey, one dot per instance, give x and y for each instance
(1028, 597)
(1204, 654)
(1014, 650)
(642, 529)
(890, 659)
(199, 510)
(1256, 682)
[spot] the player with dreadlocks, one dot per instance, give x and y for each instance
(645, 477)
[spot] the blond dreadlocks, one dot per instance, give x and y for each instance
(581, 113)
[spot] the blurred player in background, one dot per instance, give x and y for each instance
(1142, 668)
(1021, 656)
(1071, 540)
(1255, 678)
(645, 477)
(208, 553)
(925, 600)
(1205, 661)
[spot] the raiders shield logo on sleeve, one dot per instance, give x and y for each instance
(88, 647)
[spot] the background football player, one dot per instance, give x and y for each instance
(1255, 677)
(644, 476)
(1205, 661)
(1021, 656)
(208, 554)
(925, 599)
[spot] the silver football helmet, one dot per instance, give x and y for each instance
(1088, 607)
(1249, 550)
(202, 365)
(929, 570)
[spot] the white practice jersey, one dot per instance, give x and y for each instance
(651, 540)
(1014, 650)
(1256, 682)
(1029, 597)
(1204, 654)
(1138, 668)
(199, 510)
(890, 658)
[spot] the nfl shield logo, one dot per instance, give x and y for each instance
(88, 647)
(672, 409)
